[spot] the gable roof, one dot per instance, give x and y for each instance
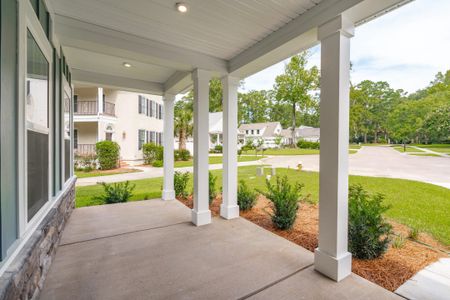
(307, 131)
(269, 128)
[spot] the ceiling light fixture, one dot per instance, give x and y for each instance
(127, 65)
(181, 7)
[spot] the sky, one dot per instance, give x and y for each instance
(406, 47)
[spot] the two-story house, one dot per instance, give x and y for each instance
(130, 119)
(267, 132)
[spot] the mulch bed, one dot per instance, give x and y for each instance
(390, 271)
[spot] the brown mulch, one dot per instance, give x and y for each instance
(390, 271)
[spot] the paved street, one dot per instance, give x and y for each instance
(378, 161)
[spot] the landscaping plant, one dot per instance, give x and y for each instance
(414, 234)
(158, 163)
(212, 187)
(180, 181)
(107, 154)
(398, 242)
(285, 198)
(246, 197)
(116, 192)
(308, 145)
(152, 153)
(368, 232)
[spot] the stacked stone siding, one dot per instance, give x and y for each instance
(25, 277)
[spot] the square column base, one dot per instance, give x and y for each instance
(168, 195)
(332, 267)
(229, 212)
(200, 218)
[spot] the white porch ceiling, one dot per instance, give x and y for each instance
(163, 45)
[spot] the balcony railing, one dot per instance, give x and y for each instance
(84, 149)
(91, 108)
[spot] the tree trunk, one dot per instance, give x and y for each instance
(365, 138)
(181, 140)
(376, 136)
(293, 126)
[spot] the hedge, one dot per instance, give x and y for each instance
(107, 154)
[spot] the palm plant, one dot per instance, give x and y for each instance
(183, 120)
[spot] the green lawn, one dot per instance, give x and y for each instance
(290, 151)
(95, 173)
(408, 149)
(441, 148)
(413, 203)
(217, 160)
(426, 154)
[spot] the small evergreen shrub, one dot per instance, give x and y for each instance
(398, 242)
(180, 181)
(218, 149)
(368, 231)
(212, 187)
(414, 234)
(107, 154)
(116, 192)
(308, 145)
(285, 198)
(246, 197)
(152, 152)
(183, 155)
(158, 163)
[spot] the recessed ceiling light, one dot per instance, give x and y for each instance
(181, 7)
(127, 65)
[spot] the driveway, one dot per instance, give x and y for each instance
(380, 161)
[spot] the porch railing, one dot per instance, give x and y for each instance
(91, 108)
(85, 149)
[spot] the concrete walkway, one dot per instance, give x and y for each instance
(150, 250)
(431, 283)
(380, 161)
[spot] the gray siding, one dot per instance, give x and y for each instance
(8, 125)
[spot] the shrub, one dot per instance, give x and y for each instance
(246, 197)
(183, 155)
(180, 181)
(285, 198)
(414, 234)
(86, 162)
(152, 152)
(116, 192)
(212, 187)
(398, 242)
(308, 145)
(368, 232)
(107, 154)
(158, 163)
(218, 149)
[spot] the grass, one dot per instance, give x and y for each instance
(95, 173)
(415, 204)
(425, 154)
(408, 149)
(441, 148)
(217, 160)
(290, 151)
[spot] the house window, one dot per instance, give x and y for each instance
(108, 136)
(141, 138)
(252, 131)
(257, 131)
(37, 104)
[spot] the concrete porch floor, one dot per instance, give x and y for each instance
(150, 250)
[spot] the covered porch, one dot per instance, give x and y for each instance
(151, 250)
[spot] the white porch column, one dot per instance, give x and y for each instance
(229, 208)
(331, 257)
(168, 192)
(100, 100)
(201, 214)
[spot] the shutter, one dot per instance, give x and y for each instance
(140, 104)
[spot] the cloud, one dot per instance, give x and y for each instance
(406, 48)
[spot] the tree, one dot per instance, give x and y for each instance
(183, 120)
(436, 126)
(296, 85)
(253, 107)
(215, 95)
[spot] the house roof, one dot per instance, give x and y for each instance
(307, 131)
(269, 128)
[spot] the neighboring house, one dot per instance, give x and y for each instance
(130, 119)
(306, 133)
(268, 132)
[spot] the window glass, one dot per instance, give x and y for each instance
(37, 98)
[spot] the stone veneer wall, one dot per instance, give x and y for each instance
(25, 277)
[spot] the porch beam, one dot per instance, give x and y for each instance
(331, 257)
(168, 187)
(229, 208)
(201, 214)
(178, 83)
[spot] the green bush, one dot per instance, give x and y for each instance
(158, 163)
(308, 145)
(246, 197)
(107, 154)
(180, 181)
(368, 232)
(285, 198)
(212, 187)
(116, 192)
(86, 162)
(152, 152)
(183, 155)
(218, 149)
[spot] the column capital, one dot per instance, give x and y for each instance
(199, 74)
(230, 80)
(338, 24)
